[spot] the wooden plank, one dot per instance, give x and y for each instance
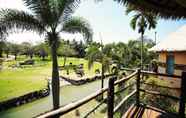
(146, 112)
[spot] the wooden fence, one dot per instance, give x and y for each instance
(111, 92)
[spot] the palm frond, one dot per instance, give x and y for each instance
(45, 10)
(78, 25)
(11, 20)
(92, 53)
(66, 8)
(134, 21)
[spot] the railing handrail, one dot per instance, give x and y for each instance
(72, 106)
(161, 74)
(126, 78)
(153, 73)
(124, 100)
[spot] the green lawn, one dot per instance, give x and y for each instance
(19, 81)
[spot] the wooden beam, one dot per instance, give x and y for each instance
(160, 74)
(126, 78)
(138, 87)
(123, 89)
(72, 106)
(110, 102)
(158, 93)
(160, 86)
(182, 96)
(124, 100)
(153, 73)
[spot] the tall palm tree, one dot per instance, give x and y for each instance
(142, 20)
(48, 18)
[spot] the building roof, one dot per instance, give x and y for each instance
(176, 41)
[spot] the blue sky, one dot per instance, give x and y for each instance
(107, 18)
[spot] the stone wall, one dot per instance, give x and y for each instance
(84, 81)
(24, 99)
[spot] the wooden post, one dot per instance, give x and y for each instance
(110, 97)
(138, 88)
(183, 95)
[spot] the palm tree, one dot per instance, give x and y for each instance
(48, 18)
(142, 20)
(95, 52)
(121, 54)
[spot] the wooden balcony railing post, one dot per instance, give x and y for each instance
(138, 88)
(110, 97)
(183, 95)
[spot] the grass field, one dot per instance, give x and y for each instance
(15, 82)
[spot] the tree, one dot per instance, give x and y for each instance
(121, 54)
(142, 20)
(41, 50)
(27, 49)
(2, 45)
(168, 10)
(48, 18)
(7, 49)
(15, 49)
(65, 50)
(95, 53)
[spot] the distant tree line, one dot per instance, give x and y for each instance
(123, 54)
(65, 48)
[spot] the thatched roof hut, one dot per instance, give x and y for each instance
(175, 42)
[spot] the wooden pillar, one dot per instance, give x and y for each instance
(183, 95)
(138, 88)
(110, 97)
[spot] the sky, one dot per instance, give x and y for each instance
(107, 19)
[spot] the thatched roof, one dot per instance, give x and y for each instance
(174, 9)
(175, 42)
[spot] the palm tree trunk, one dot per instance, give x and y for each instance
(65, 58)
(55, 76)
(1, 53)
(142, 50)
(102, 80)
(7, 55)
(102, 76)
(15, 56)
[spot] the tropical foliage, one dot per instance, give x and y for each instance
(142, 21)
(38, 20)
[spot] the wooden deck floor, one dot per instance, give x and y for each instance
(146, 112)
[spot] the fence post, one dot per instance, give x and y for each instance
(110, 97)
(138, 88)
(183, 95)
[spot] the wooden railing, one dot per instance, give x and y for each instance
(111, 92)
(70, 107)
(181, 99)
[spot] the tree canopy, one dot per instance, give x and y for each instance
(168, 9)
